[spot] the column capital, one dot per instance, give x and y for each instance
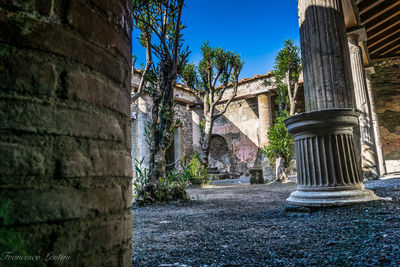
(370, 70)
(357, 34)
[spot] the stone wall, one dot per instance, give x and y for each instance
(65, 165)
(184, 115)
(386, 88)
(240, 128)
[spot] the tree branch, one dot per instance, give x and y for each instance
(149, 62)
(288, 85)
(229, 101)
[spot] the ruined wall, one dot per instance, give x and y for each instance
(65, 165)
(386, 88)
(185, 117)
(240, 126)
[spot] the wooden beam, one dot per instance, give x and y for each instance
(380, 22)
(377, 14)
(390, 50)
(368, 7)
(384, 29)
(385, 45)
(383, 38)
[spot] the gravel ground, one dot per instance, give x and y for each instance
(246, 225)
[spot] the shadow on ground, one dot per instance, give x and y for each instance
(246, 225)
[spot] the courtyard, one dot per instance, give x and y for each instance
(247, 225)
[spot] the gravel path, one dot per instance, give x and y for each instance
(246, 225)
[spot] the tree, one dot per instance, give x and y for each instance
(287, 71)
(159, 22)
(280, 148)
(217, 65)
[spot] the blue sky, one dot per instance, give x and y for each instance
(255, 29)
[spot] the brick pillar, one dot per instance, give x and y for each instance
(328, 173)
(65, 144)
(264, 116)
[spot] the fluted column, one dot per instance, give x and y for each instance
(197, 116)
(264, 116)
(328, 172)
(375, 124)
(143, 117)
(365, 147)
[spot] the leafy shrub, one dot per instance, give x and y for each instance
(197, 174)
(170, 188)
(281, 143)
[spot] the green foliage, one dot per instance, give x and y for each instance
(169, 188)
(288, 59)
(196, 172)
(281, 143)
(287, 63)
(217, 64)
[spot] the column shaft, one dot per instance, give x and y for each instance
(265, 117)
(365, 147)
(325, 55)
(375, 126)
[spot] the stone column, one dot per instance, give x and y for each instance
(143, 117)
(197, 116)
(381, 166)
(65, 162)
(365, 149)
(264, 116)
(265, 119)
(327, 169)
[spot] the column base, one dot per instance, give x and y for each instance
(330, 198)
(328, 173)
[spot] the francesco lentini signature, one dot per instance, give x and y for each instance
(51, 256)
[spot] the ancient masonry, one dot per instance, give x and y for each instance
(65, 131)
(237, 137)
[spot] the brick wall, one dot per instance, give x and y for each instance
(386, 88)
(65, 131)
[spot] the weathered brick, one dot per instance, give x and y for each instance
(119, 13)
(19, 114)
(93, 89)
(80, 160)
(37, 79)
(21, 161)
(53, 38)
(97, 27)
(36, 205)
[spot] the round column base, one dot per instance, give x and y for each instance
(330, 198)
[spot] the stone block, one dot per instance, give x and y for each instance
(95, 90)
(97, 27)
(53, 38)
(256, 176)
(37, 79)
(39, 205)
(18, 114)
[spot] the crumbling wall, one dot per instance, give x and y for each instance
(184, 115)
(386, 88)
(65, 164)
(240, 126)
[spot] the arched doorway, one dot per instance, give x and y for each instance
(219, 158)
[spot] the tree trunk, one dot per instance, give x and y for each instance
(205, 145)
(162, 122)
(280, 170)
(292, 107)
